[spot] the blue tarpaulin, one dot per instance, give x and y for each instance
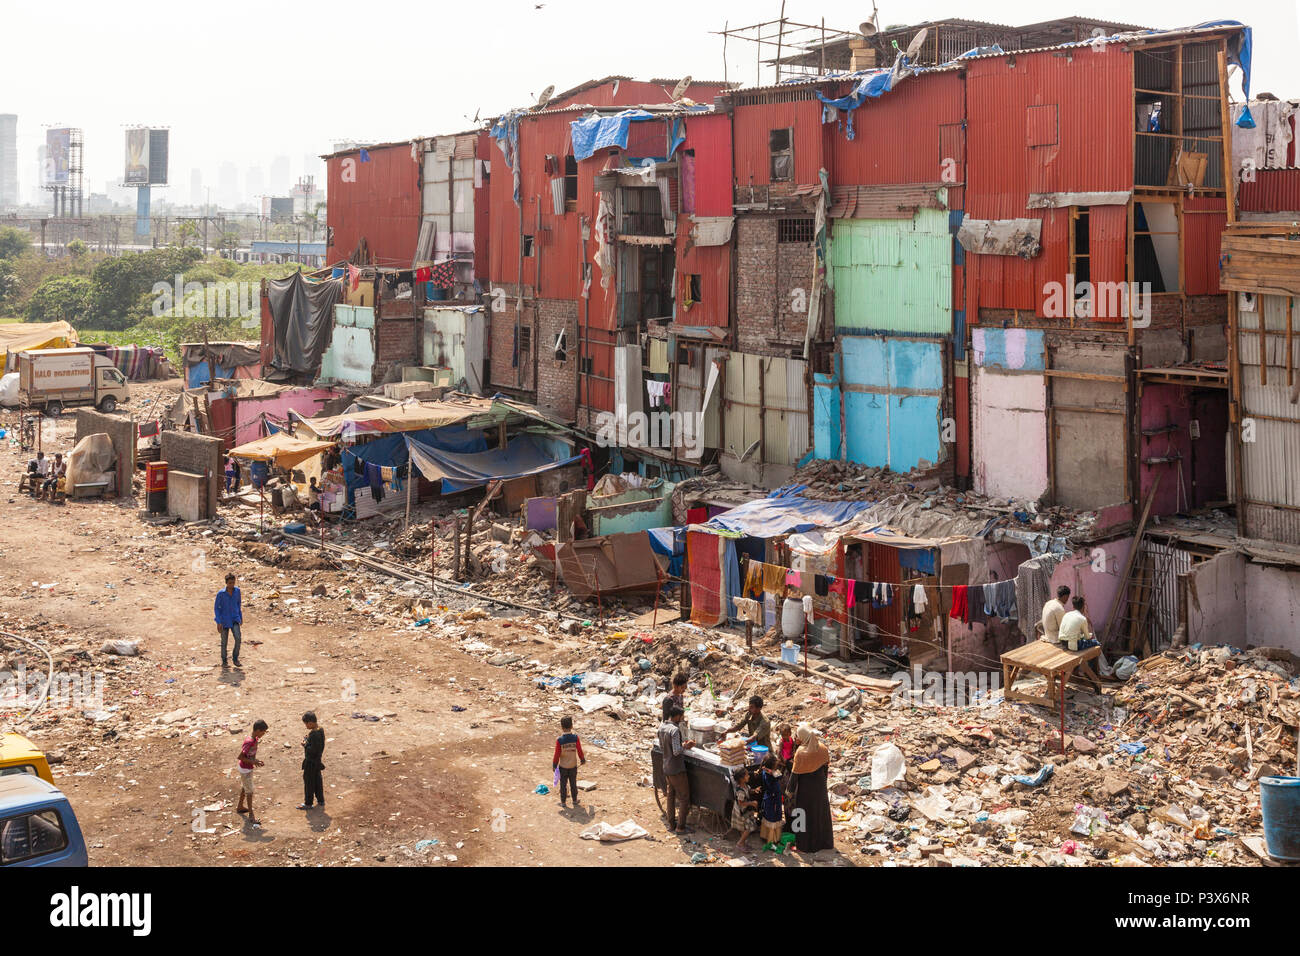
(671, 543)
(785, 511)
(521, 457)
(389, 451)
(603, 132)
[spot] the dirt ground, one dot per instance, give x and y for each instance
(455, 754)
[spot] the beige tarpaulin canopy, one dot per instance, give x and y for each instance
(415, 416)
(281, 448)
(25, 336)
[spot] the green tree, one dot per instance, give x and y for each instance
(122, 284)
(61, 297)
(77, 248)
(13, 243)
(187, 231)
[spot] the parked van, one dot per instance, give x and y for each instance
(55, 379)
(37, 825)
(19, 755)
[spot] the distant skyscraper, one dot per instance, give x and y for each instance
(196, 188)
(8, 159)
(280, 176)
(313, 166)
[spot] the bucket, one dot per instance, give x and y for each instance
(1279, 801)
(789, 653)
(758, 753)
(703, 730)
(792, 618)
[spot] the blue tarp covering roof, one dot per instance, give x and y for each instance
(603, 132)
(389, 451)
(785, 511)
(524, 455)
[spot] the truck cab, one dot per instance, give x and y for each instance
(37, 825)
(111, 388)
(19, 755)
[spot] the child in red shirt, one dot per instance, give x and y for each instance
(247, 762)
(568, 754)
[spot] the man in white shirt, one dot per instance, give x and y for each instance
(1075, 626)
(1053, 611)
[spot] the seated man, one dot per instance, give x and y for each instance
(313, 495)
(1076, 632)
(51, 482)
(37, 470)
(756, 728)
(1053, 611)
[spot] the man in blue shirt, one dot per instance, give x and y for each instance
(229, 615)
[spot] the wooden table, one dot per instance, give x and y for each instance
(1053, 661)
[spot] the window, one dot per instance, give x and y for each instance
(570, 179)
(1080, 262)
(794, 230)
(528, 247)
(19, 768)
(31, 835)
(525, 341)
(780, 143)
(693, 289)
(562, 345)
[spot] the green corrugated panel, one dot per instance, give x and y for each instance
(893, 274)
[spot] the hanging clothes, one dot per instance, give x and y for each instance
(773, 578)
(821, 585)
(793, 579)
(747, 609)
(862, 592)
(960, 605)
(1033, 589)
(443, 274)
(754, 578)
(919, 601)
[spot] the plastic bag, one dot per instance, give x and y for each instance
(887, 766)
(9, 389)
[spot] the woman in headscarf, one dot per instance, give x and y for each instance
(811, 816)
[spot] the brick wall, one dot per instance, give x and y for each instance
(501, 348)
(396, 344)
(121, 430)
(768, 272)
(557, 380)
(198, 454)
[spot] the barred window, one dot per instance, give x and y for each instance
(794, 230)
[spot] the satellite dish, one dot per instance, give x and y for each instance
(918, 41)
(680, 89)
(868, 28)
(545, 97)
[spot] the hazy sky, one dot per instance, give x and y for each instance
(245, 82)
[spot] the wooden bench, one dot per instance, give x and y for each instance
(1055, 662)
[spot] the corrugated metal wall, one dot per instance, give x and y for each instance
(1203, 221)
(892, 395)
(782, 417)
(893, 274)
(1271, 426)
(382, 204)
(752, 125)
(1274, 190)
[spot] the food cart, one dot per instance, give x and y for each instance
(712, 787)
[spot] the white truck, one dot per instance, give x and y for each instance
(54, 379)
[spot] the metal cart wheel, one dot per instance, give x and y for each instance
(661, 798)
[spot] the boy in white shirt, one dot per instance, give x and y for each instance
(1053, 611)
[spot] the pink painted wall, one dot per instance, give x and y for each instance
(1164, 405)
(248, 411)
(1099, 588)
(1009, 414)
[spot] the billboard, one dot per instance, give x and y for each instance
(137, 158)
(158, 157)
(58, 145)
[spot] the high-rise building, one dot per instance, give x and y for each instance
(37, 195)
(8, 159)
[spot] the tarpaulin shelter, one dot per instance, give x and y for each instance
(136, 362)
(416, 416)
(281, 448)
(302, 317)
(205, 361)
(29, 336)
(390, 452)
(522, 456)
(785, 511)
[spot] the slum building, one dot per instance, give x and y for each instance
(593, 250)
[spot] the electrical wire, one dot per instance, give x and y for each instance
(49, 682)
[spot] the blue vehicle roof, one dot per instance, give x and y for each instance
(21, 790)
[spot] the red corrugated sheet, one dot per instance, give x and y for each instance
(1274, 190)
(713, 265)
(482, 206)
(902, 137)
(752, 127)
(883, 568)
(1203, 222)
(1108, 252)
(1092, 152)
(709, 137)
(637, 93)
(382, 205)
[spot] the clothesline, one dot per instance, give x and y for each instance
(895, 584)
